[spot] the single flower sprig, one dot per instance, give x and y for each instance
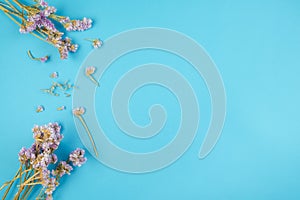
(96, 43)
(41, 59)
(78, 112)
(89, 71)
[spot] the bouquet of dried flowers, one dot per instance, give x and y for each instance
(37, 161)
(39, 20)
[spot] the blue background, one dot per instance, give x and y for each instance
(256, 46)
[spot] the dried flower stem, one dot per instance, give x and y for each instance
(10, 184)
(89, 133)
(93, 80)
(27, 192)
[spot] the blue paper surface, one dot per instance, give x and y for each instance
(256, 46)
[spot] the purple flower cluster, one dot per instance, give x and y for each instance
(42, 24)
(39, 20)
(62, 169)
(76, 25)
(41, 154)
(77, 157)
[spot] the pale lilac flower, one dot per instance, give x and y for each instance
(43, 3)
(24, 155)
(64, 53)
(77, 25)
(48, 11)
(77, 157)
(65, 20)
(51, 186)
(48, 136)
(53, 158)
(44, 59)
(90, 70)
(45, 177)
(78, 111)
(62, 169)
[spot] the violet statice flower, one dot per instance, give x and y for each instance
(64, 45)
(62, 169)
(51, 186)
(48, 11)
(43, 3)
(77, 157)
(48, 137)
(45, 177)
(77, 25)
(24, 155)
(44, 59)
(39, 20)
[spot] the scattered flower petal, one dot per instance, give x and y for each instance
(54, 75)
(40, 108)
(61, 108)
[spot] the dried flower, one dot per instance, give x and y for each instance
(54, 75)
(40, 108)
(77, 157)
(61, 108)
(36, 163)
(41, 59)
(62, 86)
(78, 112)
(89, 71)
(96, 43)
(39, 19)
(62, 169)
